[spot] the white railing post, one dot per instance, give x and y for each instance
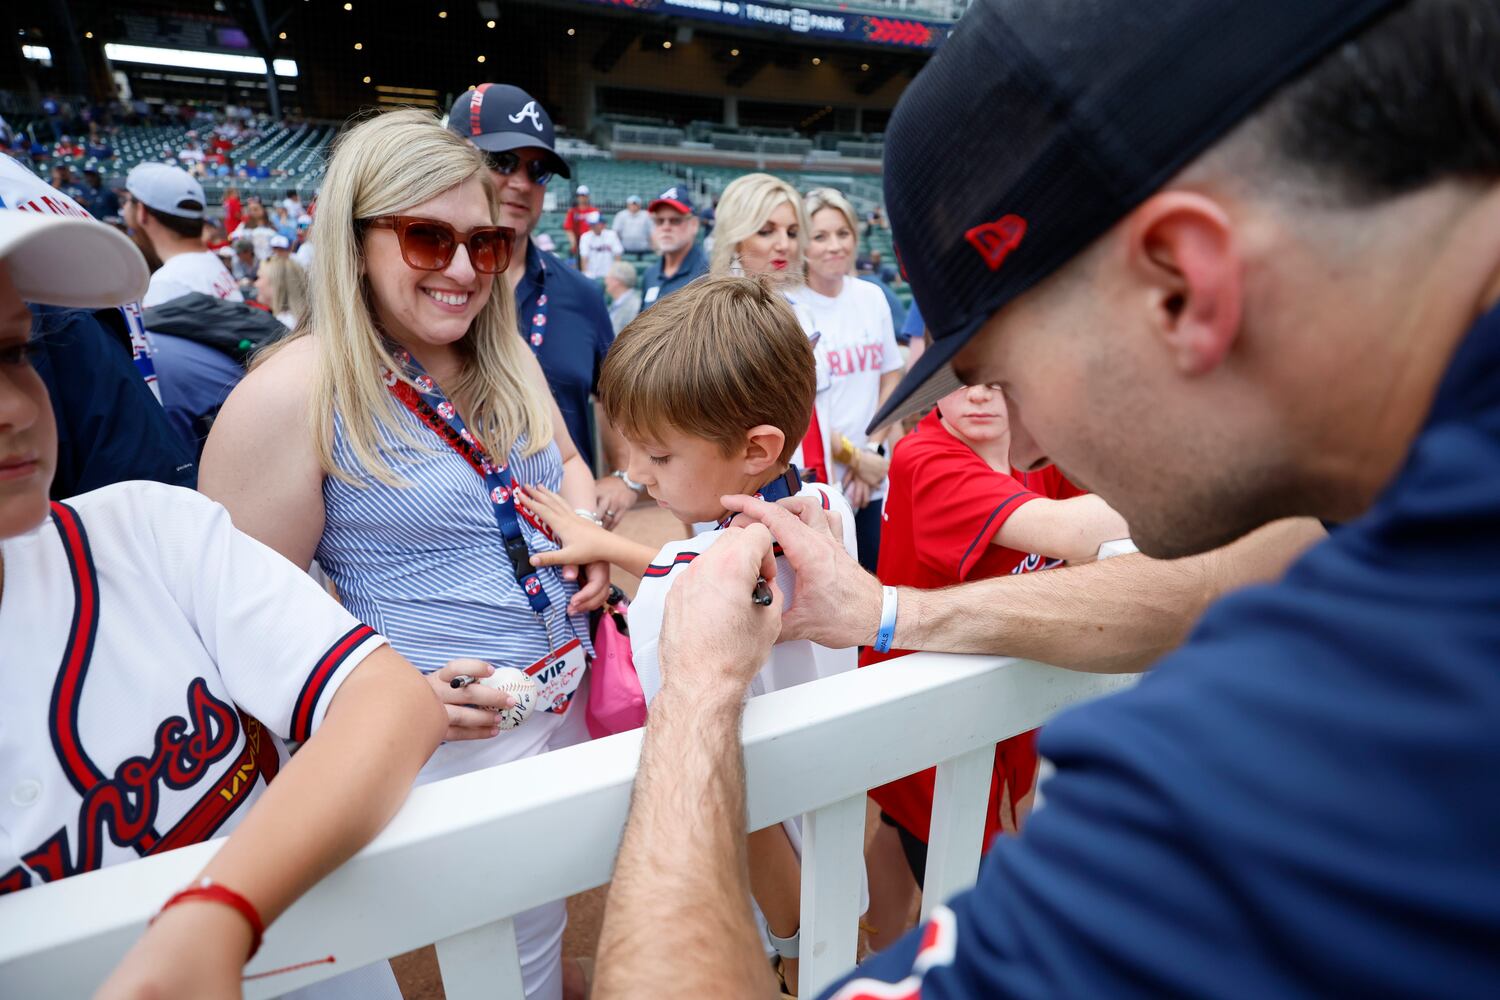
(961, 794)
(833, 863)
(482, 964)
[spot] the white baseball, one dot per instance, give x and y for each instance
(516, 684)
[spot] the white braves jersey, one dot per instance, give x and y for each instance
(154, 659)
(790, 663)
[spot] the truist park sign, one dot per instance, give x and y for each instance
(878, 29)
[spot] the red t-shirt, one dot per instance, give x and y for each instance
(576, 221)
(232, 214)
(942, 512)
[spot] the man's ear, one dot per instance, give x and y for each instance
(1182, 254)
(763, 444)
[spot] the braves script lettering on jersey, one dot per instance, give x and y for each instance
(158, 640)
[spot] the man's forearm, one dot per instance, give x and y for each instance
(678, 922)
(1113, 616)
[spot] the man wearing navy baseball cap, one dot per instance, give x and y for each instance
(559, 311)
(1230, 262)
(676, 236)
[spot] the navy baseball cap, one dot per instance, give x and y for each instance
(1038, 126)
(673, 197)
(497, 117)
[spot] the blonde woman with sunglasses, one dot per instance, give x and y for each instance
(385, 438)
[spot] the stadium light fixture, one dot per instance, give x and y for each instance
(489, 24)
(367, 79)
(480, 59)
(189, 59)
(442, 13)
(282, 36)
(358, 46)
(864, 67)
(735, 53)
(348, 6)
(571, 32)
(667, 44)
(88, 34)
(817, 61)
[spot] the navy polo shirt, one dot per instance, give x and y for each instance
(578, 335)
(1302, 800)
(110, 428)
(657, 286)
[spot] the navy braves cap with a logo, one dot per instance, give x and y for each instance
(673, 197)
(1039, 125)
(497, 117)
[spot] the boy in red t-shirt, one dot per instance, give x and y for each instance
(958, 511)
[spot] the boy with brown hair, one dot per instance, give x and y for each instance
(712, 389)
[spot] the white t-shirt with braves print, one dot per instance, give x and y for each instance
(154, 654)
(856, 345)
(192, 272)
(790, 663)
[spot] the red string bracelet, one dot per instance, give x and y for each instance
(208, 889)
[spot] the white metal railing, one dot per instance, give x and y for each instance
(460, 858)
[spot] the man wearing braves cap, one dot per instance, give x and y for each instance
(560, 312)
(681, 259)
(1229, 262)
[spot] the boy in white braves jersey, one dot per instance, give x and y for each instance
(156, 655)
(712, 389)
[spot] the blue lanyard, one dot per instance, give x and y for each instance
(788, 484)
(431, 407)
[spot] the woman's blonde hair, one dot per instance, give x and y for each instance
(288, 287)
(383, 166)
(820, 198)
(743, 208)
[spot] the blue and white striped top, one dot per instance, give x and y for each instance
(425, 566)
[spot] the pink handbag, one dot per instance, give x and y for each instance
(616, 703)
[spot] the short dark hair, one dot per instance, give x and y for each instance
(176, 223)
(1412, 99)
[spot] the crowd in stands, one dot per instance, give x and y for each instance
(347, 460)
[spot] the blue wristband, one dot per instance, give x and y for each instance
(887, 631)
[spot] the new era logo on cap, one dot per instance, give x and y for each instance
(995, 240)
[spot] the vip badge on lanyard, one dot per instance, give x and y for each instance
(789, 484)
(429, 405)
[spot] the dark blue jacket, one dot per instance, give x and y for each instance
(1302, 801)
(110, 428)
(578, 335)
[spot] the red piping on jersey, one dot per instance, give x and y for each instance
(658, 569)
(68, 691)
(318, 680)
(123, 807)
